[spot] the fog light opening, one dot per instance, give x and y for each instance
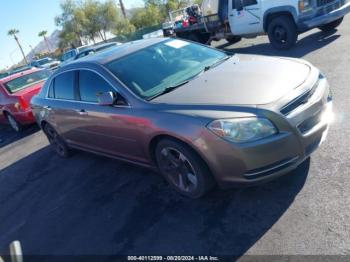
(328, 115)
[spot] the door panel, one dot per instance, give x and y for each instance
(111, 130)
(247, 21)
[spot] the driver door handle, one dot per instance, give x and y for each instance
(82, 112)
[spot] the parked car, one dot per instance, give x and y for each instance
(16, 92)
(4, 74)
(95, 49)
(198, 115)
(70, 54)
(15, 71)
(47, 63)
(282, 21)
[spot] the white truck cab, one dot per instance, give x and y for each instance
(282, 20)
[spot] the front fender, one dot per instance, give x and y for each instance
(281, 9)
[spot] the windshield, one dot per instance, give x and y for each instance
(150, 71)
(44, 61)
(26, 81)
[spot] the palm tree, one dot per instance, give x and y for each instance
(43, 34)
(14, 32)
(122, 7)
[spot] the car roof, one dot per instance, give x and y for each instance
(17, 75)
(118, 51)
(41, 59)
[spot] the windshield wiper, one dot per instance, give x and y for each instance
(171, 88)
(168, 90)
(217, 63)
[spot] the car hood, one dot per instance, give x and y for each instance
(242, 80)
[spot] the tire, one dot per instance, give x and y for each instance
(282, 32)
(15, 125)
(332, 25)
(234, 39)
(56, 141)
(184, 170)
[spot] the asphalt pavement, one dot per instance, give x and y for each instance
(89, 204)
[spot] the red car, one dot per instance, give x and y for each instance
(16, 91)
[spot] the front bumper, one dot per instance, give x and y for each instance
(251, 163)
(317, 21)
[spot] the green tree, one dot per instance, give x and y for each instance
(14, 33)
(43, 34)
(71, 24)
(149, 16)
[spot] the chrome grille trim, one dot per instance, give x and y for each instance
(298, 101)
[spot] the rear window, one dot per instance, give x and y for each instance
(25, 81)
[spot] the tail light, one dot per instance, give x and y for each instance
(21, 104)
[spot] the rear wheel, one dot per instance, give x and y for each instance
(185, 171)
(199, 38)
(332, 25)
(233, 39)
(15, 125)
(282, 32)
(56, 141)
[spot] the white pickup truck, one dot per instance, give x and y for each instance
(282, 20)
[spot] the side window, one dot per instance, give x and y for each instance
(233, 4)
(244, 2)
(64, 86)
(249, 2)
(90, 84)
(52, 89)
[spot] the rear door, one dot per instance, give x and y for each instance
(63, 110)
(247, 19)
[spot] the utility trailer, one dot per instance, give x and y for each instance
(281, 20)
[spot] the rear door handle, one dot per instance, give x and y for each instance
(82, 112)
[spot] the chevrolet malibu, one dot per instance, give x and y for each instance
(198, 115)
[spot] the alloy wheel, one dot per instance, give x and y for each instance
(178, 169)
(55, 140)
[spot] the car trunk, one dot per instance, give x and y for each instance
(25, 95)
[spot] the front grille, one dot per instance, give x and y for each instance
(324, 2)
(295, 103)
(300, 100)
(271, 169)
(327, 6)
(309, 123)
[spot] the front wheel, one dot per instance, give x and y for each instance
(282, 32)
(185, 171)
(332, 25)
(56, 141)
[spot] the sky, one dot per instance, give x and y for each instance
(30, 17)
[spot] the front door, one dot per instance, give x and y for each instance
(106, 129)
(245, 17)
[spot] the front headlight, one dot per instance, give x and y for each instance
(241, 130)
(305, 5)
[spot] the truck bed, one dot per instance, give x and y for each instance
(208, 24)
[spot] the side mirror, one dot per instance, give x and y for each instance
(106, 98)
(239, 5)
